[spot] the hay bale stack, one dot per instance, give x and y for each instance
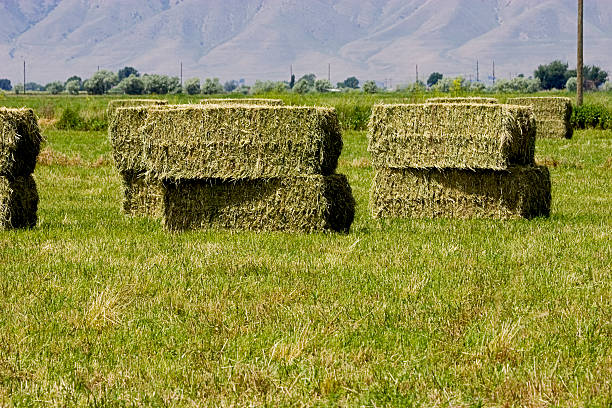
(552, 115)
(20, 140)
(142, 194)
(468, 99)
(18, 202)
(243, 101)
(305, 203)
(126, 103)
(456, 160)
(444, 135)
(240, 141)
(519, 191)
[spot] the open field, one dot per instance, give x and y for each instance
(100, 309)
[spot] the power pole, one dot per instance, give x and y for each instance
(329, 73)
(181, 74)
(290, 71)
(493, 72)
(24, 78)
(580, 62)
(477, 73)
(417, 73)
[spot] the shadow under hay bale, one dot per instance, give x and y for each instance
(553, 115)
(521, 191)
(468, 99)
(441, 135)
(305, 204)
(240, 141)
(18, 202)
(243, 101)
(20, 141)
(142, 195)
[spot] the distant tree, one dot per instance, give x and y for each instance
(322, 85)
(433, 79)
(517, 85)
(370, 87)
(192, 86)
(5, 84)
(229, 86)
(75, 78)
(126, 72)
(156, 84)
(572, 84)
(351, 82)
(73, 86)
(292, 81)
(33, 86)
(18, 88)
(174, 85)
(591, 73)
(302, 86)
(309, 78)
(101, 82)
(132, 85)
(54, 87)
(553, 75)
(212, 86)
(242, 89)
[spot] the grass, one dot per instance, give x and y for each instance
(100, 309)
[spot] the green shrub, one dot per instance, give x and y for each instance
(591, 116)
(353, 116)
(71, 119)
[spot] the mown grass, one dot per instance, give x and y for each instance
(100, 309)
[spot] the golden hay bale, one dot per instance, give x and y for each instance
(243, 101)
(441, 135)
(468, 99)
(553, 115)
(143, 195)
(20, 141)
(18, 202)
(306, 203)
(240, 141)
(126, 103)
(520, 191)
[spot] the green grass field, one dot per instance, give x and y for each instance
(103, 310)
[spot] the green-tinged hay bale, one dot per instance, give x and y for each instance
(142, 195)
(305, 204)
(553, 115)
(469, 99)
(243, 101)
(20, 141)
(126, 103)
(125, 138)
(241, 141)
(18, 202)
(520, 191)
(441, 135)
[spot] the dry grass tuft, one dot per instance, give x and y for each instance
(50, 157)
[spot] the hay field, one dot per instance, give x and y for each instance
(101, 309)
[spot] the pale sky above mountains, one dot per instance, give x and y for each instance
(260, 39)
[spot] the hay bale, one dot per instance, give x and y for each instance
(469, 99)
(243, 101)
(520, 191)
(126, 103)
(553, 115)
(444, 135)
(125, 138)
(142, 195)
(241, 141)
(20, 141)
(306, 204)
(18, 202)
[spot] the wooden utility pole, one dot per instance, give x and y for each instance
(329, 73)
(477, 72)
(580, 60)
(24, 78)
(181, 74)
(417, 73)
(493, 72)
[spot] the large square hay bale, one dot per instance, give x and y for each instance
(126, 103)
(20, 140)
(553, 115)
(521, 191)
(307, 204)
(143, 195)
(241, 141)
(243, 101)
(441, 135)
(126, 138)
(466, 99)
(18, 202)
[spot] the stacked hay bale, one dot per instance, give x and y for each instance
(142, 195)
(20, 140)
(467, 99)
(248, 167)
(243, 101)
(553, 115)
(456, 160)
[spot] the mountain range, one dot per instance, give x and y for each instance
(263, 39)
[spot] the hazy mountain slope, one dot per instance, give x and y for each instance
(261, 38)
